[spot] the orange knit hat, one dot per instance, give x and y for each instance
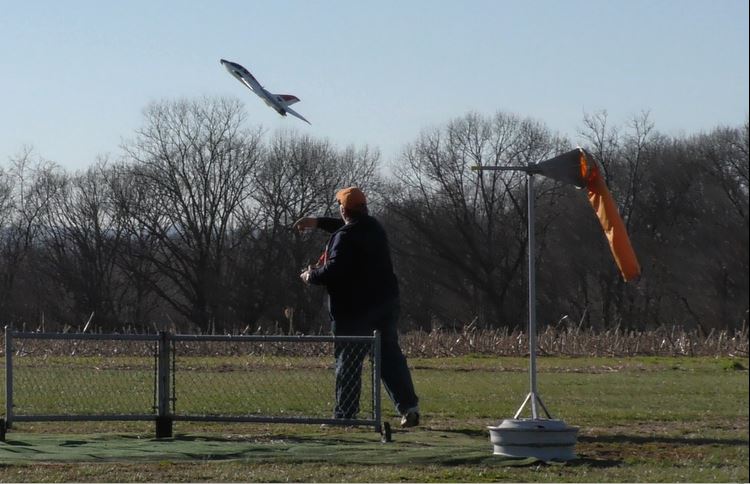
(351, 198)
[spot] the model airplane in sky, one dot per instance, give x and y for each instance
(279, 102)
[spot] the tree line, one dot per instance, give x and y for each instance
(191, 227)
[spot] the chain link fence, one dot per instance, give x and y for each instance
(166, 377)
(52, 377)
(272, 378)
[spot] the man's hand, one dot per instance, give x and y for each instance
(305, 276)
(305, 223)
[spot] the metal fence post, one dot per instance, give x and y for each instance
(376, 381)
(164, 415)
(8, 381)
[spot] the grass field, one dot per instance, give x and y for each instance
(641, 419)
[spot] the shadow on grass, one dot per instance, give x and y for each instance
(467, 432)
(594, 463)
(640, 439)
(16, 443)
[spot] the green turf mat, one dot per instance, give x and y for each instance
(419, 447)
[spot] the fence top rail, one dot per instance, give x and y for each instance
(272, 338)
(191, 337)
(84, 336)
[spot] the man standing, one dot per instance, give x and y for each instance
(363, 296)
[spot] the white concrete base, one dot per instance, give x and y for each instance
(544, 439)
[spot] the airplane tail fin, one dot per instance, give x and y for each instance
(287, 99)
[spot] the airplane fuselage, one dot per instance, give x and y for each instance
(278, 102)
(244, 76)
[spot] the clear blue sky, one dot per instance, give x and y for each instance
(76, 75)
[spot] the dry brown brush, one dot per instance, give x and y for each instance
(551, 341)
(577, 341)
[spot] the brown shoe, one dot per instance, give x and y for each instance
(411, 419)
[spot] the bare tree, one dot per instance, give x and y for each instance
(191, 173)
(627, 157)
(463, 232)
(138, 248)
(723, 157)
(298, 176)
(83, 237)
(25, 191)
(726, 153)
(9, 256)
(194, 225)
(6, 199)
(679, 198)
(603, 139)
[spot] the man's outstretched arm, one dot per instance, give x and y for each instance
(328, 224)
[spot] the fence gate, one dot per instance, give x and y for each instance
(171, 377)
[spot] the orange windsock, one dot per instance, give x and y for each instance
(609, 217)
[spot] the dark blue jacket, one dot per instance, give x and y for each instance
(358, 271)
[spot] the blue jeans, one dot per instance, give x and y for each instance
(350, 356)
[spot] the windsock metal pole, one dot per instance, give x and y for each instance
(539, 437)
(532, 295)
(533, 395)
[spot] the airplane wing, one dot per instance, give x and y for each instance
(287, 99)
(295, 113)
(247, 84)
